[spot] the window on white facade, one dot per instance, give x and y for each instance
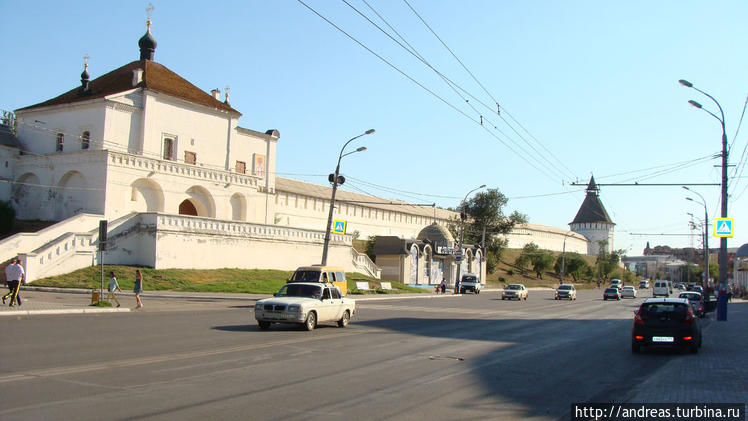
(169, 149)
(85, 139)
(59, 142)
(190, 157)
(241, 167)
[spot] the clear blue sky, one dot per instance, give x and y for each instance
(593, 82)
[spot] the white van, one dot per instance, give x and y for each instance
(661, 288)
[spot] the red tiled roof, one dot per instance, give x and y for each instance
(156, 77)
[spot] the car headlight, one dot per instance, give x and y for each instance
(294, 308)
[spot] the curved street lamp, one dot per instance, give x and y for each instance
(721, 298)
(706, 237)
(462, 230)
(335, 181)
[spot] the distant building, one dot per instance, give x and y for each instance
(593, 222)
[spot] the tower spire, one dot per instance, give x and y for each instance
(147, 43)
(85, 77)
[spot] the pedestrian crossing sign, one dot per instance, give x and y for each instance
(724, 227)
(339, 226)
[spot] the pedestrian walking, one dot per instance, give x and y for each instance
(443, 286)
(138, 288)
(14, 275)
(113, 286)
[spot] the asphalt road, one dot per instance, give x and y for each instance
(447, 358)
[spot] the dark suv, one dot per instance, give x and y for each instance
(666, 323)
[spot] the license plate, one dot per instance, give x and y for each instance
(662, 339)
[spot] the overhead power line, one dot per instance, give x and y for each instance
(521, 156)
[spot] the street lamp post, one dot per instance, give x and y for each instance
(462, 231)
(706, 237)
(335, 183)
(563, 256)
(721, 297)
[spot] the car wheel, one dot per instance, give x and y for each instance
(477, 291)
(525, 297)
(263, 325)
(503, 298)
(311, 321)
(343, 322)
(694, 349)
(636, 348)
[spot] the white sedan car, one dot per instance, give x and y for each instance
(306, 304)
(628, 292)
(514, 291)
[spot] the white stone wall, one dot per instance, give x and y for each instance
(548, 238)
(595, 232)
(37, 129)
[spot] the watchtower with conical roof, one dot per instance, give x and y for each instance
(593, 222)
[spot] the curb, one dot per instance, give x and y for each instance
(63, 311)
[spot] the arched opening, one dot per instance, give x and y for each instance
(146, 196)
(202, 201)
(427, 265)
(187, 208)
(238, 207)
(414, 265)
(72, 195)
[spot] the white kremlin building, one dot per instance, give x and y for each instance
(183, 185)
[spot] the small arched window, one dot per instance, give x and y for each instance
(60, 141)
(85, 139)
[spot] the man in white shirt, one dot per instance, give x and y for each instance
(14, 275)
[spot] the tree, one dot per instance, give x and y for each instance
(484, 216)
(576, 266)
(542, 260)
(525, 257)
(607, 262)
(370, 247)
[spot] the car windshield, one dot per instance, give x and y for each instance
(690, 296)
(611, 290)
(565, 287)
(514, 286)
(628, 288)
(305, 276)
(310, 291)
(468, 278)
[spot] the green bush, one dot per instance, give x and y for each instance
(510, 272)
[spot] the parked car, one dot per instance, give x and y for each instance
(566, 291)
(306, 304)
(514, 291)
(661, 288)
(644, 284)
(665, 322)
(628, 292)
(679, 285)
(470, 282)
(611, 294)
(696, 301)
